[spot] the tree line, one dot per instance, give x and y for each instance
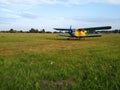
(32, 30)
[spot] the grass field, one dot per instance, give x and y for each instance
(50, 62)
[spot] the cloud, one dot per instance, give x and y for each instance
(5, 10)
(93, 1)
(97, 19)
(17, 14)
(68, 2)
(88, 22)
(6, 20)
(28, 15)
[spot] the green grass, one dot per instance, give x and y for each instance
(50, 62)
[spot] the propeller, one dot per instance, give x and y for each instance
(70, 28)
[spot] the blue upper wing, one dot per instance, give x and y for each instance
(89, 29)
(96, 28)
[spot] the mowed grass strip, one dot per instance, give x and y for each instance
(50, 62)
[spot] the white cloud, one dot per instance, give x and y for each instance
(34, 2)
(96, 20)
(6, 10)
(28, 15)
(6, 19)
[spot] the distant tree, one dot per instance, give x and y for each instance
(32, 30)
(55, 32)
(12, 31)
(48, 32)
(21, 31)
(42, 31)
(116, 31)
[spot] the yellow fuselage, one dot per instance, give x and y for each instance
(80, 33)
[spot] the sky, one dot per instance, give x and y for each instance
(49, 14)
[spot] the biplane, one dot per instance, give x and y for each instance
(82, 32)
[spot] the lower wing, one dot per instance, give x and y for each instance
(88, 35)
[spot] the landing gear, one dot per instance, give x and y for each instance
(79, 38)
(69, 38)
